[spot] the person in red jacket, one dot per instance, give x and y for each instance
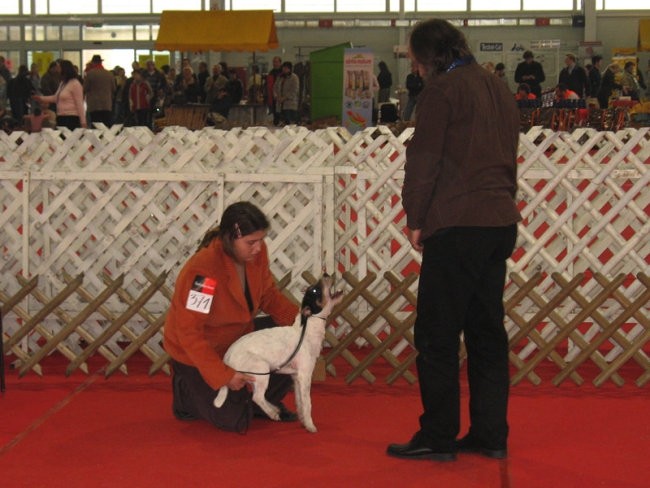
(562, 92)
(523, 92)
(140, 94)
(218, 295)
(271, 78)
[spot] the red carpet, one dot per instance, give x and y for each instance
(88, 431)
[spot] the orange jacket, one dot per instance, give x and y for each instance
(201, 337)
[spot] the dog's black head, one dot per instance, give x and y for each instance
(312, 301)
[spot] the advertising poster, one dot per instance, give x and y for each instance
(42, 60)
(357, 89)
(161, 60)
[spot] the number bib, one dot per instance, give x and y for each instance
(201, 294)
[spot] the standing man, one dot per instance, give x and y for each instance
(51, 79)
(99, 88)
(500, 71)
(595, 76)
(459, 196)
(158, 84)
(287, 90)
(202, 76)
(4, 71)
(35, 77)
(120, 95)
(5, 74)
(608, 84)
(414, 85)
(574, 76)
(255, 85)
(20, 91)
(140, 94)
(272, 78)
(630, 81)
(530, 72)
(385, 80)
(215, 84)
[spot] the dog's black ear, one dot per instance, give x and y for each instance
(305, 313)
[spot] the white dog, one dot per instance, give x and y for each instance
(288, 350)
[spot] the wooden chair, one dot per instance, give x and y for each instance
(191, 116)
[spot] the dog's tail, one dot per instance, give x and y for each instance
(221, 397)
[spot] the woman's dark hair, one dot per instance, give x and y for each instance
(383, 67)
(435, 44)
(67, 71)
(238, 220)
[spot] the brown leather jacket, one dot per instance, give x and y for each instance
(461, 164)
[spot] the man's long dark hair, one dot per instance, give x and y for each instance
(435, 44)
(238, 220)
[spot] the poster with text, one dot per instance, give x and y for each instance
(357, 89)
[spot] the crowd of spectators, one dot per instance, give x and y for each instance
(66, 96)
(577, 85)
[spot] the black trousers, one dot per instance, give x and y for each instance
(461, 290)
(193, 397)
(103, 116)
(72, 122)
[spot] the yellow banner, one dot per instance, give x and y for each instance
(42, 60)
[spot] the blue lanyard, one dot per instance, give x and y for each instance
(459, 62)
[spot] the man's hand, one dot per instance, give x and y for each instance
(414, 238)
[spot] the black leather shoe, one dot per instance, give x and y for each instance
(470, 445)
(417, 449)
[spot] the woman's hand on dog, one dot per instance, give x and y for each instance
(240, 380)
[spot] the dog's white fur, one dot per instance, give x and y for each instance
(266, 350)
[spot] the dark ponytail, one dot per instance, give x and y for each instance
(238, 220)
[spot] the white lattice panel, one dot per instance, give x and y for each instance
(585, 203)
(130, 201)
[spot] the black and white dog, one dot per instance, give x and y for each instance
(287, 350)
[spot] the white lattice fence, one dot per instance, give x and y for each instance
(133, 203)
(585, 203)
